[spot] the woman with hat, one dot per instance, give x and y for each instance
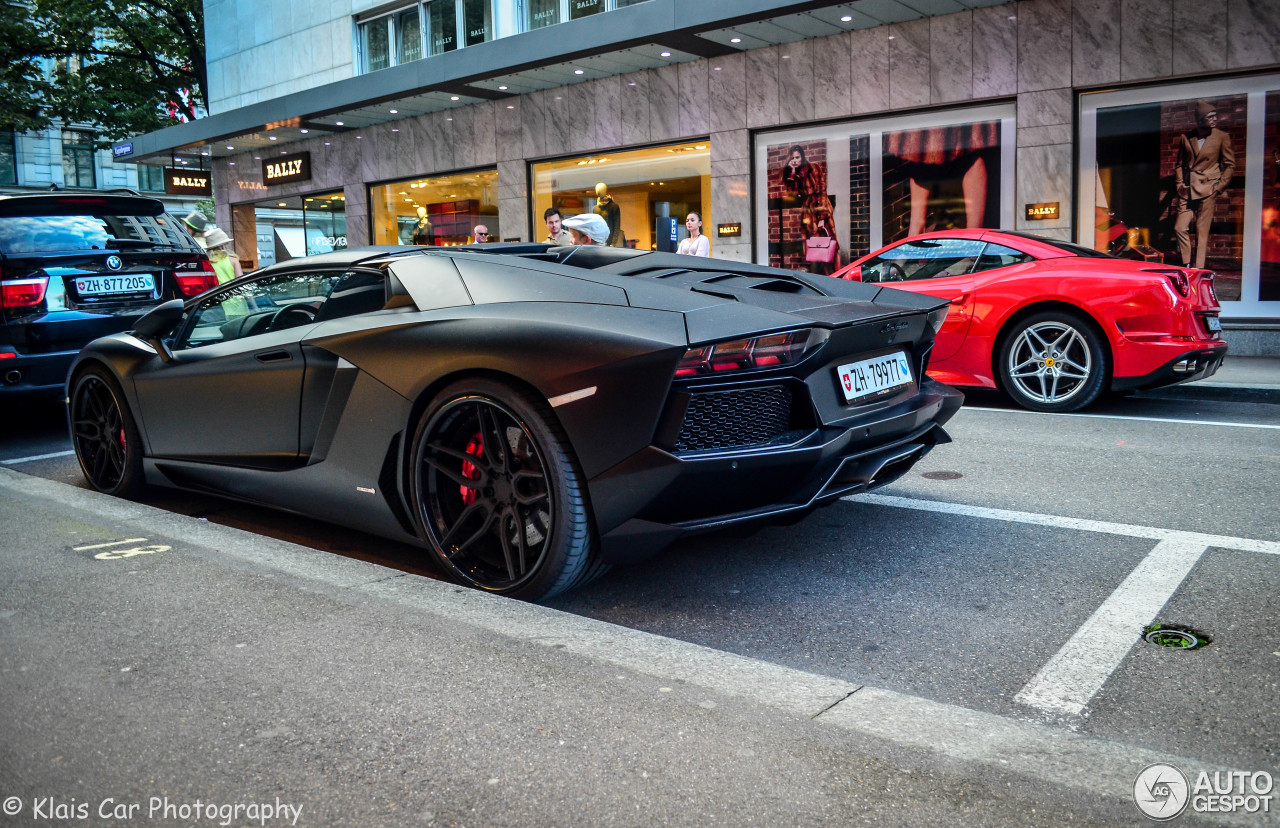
(218, 246)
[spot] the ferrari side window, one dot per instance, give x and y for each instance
(923, 259)
(255, 306)
(997, 255)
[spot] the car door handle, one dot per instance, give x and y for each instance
(274, 356)
(961, 299)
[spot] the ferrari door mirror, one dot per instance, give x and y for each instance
(158, 323)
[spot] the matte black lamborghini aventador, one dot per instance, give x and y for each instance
(529, 414)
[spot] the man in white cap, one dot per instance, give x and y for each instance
(587, 228)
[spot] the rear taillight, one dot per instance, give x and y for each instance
(23, 293)
(758, 352)
(1180, 282)
(193, 284)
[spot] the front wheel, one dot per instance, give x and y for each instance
(1053, 362)
(104, 435)
(497, 494)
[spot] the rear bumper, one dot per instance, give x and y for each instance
(1187, 366)
(657, 496)
(35, 373)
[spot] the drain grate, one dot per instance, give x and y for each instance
(1175, 637)
(942, 475)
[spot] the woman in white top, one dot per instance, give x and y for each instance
(697, 244)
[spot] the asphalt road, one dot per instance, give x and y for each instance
(1011, 572)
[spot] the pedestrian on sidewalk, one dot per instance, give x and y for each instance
(225, 263)
(697, 244)
(556, 234)
(587, 228)
(481, 234)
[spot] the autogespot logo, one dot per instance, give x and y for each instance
(113, 262)
(1160, 792)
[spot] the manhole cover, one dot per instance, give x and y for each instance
(1175, 637)
(942, 475)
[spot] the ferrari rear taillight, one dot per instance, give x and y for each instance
(758, 352)
(23, 293)
(1180, 282)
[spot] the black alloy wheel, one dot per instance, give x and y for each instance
(497, 494)
(104, 435)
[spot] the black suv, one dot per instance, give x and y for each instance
(75, 266)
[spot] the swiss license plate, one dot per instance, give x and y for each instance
(1214, 323)
(106, 285)
(870, 377)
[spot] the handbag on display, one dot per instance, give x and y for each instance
(821, 249)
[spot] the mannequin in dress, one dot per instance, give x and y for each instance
(422, 230)
(609, 210)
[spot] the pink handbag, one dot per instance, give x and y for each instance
(821, 249)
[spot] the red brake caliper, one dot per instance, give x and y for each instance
(476, 449)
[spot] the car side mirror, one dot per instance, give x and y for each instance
(158, 323)
(854, 274)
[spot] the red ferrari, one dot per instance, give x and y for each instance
(1050, 323)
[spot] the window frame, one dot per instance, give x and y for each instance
(87, 150)
(12, 168)
(180, 342)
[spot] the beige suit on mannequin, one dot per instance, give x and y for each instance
(1205, 164)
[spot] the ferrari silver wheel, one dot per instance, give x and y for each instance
(1053, 362)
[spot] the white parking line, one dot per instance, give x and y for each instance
(1074, 675)
(1123, 417)
(33, 458)
(1077, 672)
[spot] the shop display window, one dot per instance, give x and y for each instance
(869, 183)
(439, 211)
(292, 227)
(1166, 176)
(644, 195)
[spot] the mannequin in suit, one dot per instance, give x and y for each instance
(422, 230)
(1205, 164)
(609, 210)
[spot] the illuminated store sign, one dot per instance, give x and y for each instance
(1041, 212)
(287, 170)
(733, 229)
(187, 182)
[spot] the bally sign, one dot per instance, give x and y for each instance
(286, 170)
(1044, 211)
(187, 182)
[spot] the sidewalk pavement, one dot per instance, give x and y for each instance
(150, 660)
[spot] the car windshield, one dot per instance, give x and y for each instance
(1073, 249)
(57, 234)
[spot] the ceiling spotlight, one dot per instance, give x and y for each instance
(338, 123)
(666, 54)
(502, 89)
(281, 204)
(735, 40)
(271, 138)
(631, 83)
(717, 69)
(231, 163)
(204, 153)
(257, 158)
(846, 18)
(454, 98)
(395, 130)
(448, 119)
(511, 106)
(230, 147)
(577, 71)
(395, 111)
(304, 131)
(326, 143)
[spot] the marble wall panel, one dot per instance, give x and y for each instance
(664, 103)
(357, 215)
(729, 145)
(634, 103)
(1253, 33)
(909, 64)
(694, 108)
(832, 93)
(727, 93)
(442, 132)
(485, 130)
(1199, 36)
(370, 144)
(1040, 136)
(1146, 50)
(730, 249)
(795, 82)
(609, 112)
(243, 227)
(1044, 174)
(464, 136)
(1044, 43)
(868, 71)
(762, 87)
(507, 133)
(533, 127)
(511, 180)
(578, 109)
(730, 201)
(559, 122)
(1051, 106)
(513, 218)
(951, 50)
(730, 166)
(424, 145)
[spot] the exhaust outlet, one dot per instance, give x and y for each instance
(13, 377)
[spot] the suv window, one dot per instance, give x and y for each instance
(923, 259)
(58, 234)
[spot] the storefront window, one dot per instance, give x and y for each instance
(440, 211)
(288, 228)
(477, 21)
(871, 183)
(8, 158)
(408, 30)
(375, 41)
(583, 8)
(1166, 177)
(442, 26)
(542, 13)
(644, 194)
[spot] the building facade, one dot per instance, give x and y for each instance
(411, 122)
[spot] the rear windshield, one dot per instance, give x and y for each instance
(58, 234)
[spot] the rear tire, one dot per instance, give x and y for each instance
(1054, 362)
(497, 493)
(104, 434)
